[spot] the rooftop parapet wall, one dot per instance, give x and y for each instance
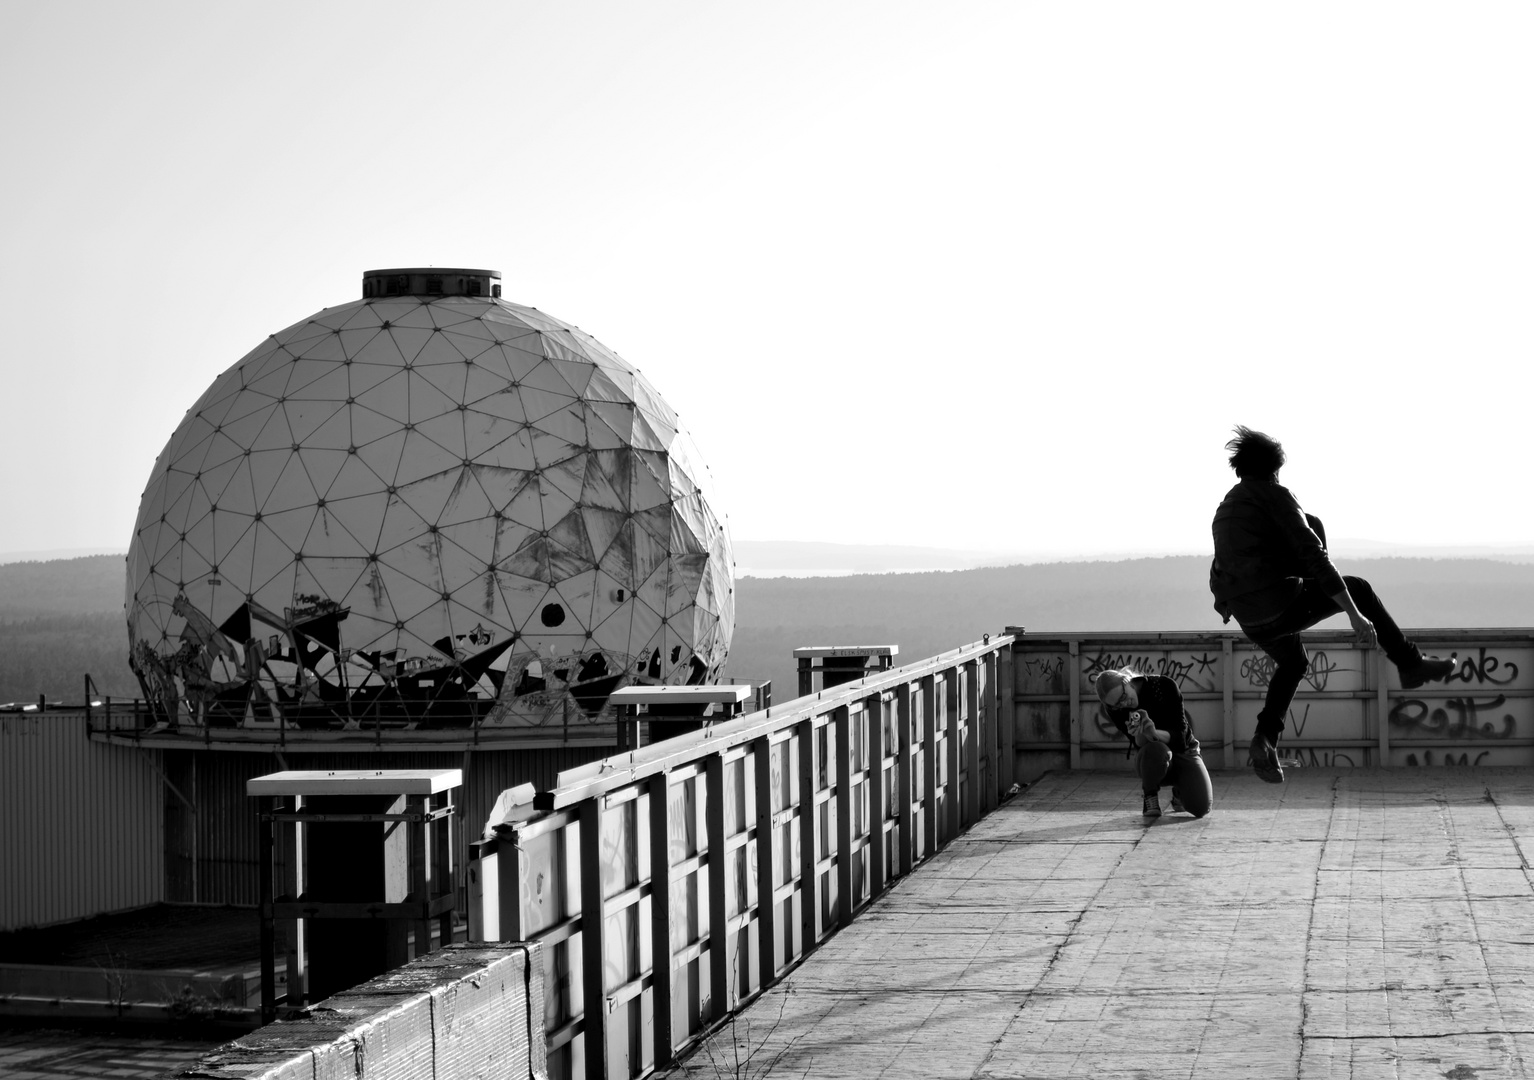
(1483, 714)
(463, 1011)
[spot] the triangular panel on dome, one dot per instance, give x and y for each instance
(330, 535)
(550, 450)
(652, 540)
(520, 595)
(219, 473)
(531, 560)
(686, 579)
(618, 556)
(460, 567)
(323, 345)
(236, 557)
(568, 424)
(575, 593)
(248, 418)
(447, 432)
(609, 425)
(327, 577)
(574, 368)
(290, 528)
(483, 380)
(319, 380)
(293, 488)
(271, 562)
(388, 396)
(423, 457)
(468, 502)
(429, 496)
(525, 508)
(360, 516)
(608, 479)
(684, 534)
(426, 400)
(612, 613)
(539, 403)
(603, 526)
(322, 467)
(554, 503)
(356, 340)
(649, 486)
(443, 367)
(643, 435)
(379, 439)
(409, 340)
(335, 433)
(414, 585)
(517, 359)
(401, 527)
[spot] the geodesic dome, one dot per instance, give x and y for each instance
(427, 506)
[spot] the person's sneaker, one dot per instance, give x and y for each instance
(1177, 806)
(1264, 760)
(1152, 806)
(1427, 669)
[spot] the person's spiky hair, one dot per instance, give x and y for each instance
(1255, 455)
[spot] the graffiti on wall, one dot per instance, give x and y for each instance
(1453, 718)
(1189, 672)
(1257, 669)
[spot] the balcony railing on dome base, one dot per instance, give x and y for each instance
(732, 852)
(446, 726)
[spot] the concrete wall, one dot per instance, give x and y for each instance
(461, 1012)
(1350, 709)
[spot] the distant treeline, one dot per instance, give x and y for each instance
(63, 618)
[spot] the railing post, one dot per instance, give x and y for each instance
(1008, 720)
(842, 720)
(976, 725)
(955, 741)
(809, 876)
(1073, 681)
(658, 789)
(766, 863)
(929, 762)
(1230, 703)
(873, 713)
(904, 756)
(1382, 709)
(718, 884)
(594, 1026)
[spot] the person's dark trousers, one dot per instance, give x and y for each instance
(1184, 773)
(1280, 639)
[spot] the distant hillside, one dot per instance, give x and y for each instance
(58, 620)
(927, 613)
(62, 618)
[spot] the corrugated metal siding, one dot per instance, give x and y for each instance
(225, 826)
(80, 823)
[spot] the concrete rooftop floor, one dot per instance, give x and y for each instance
(1350, 923)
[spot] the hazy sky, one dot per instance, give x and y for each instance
(976, 275)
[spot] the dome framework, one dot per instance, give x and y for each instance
(439, 509)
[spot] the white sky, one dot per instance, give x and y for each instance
(996, 276)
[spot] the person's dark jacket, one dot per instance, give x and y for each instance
(1265, 547)
(1159, 696)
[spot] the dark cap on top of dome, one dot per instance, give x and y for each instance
(430, 281)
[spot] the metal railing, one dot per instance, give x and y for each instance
(670, 885)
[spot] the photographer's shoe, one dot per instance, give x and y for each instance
(1152, 806)
(1264, 760)
(1427, 669)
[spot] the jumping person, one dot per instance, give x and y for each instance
(1148, 709)
(1272, 573)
